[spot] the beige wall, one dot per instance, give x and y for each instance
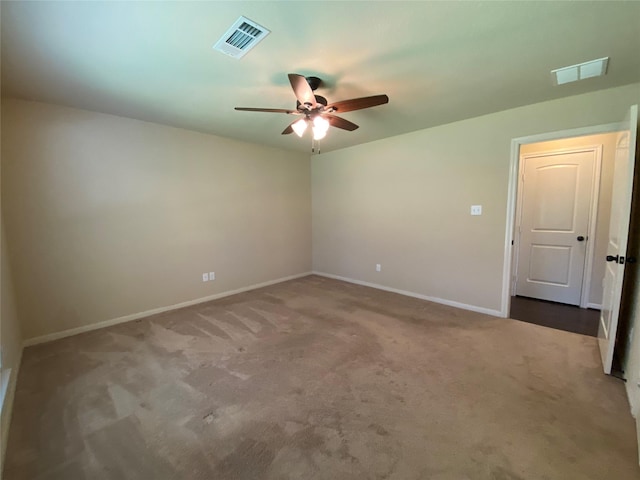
(10, 339)
(108, 216)
(404, 201)
(10, 342)
(10, 345)
(608, 143)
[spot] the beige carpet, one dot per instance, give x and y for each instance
(319, 379)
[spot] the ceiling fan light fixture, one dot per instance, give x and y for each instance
(299, 127)
(318, 133)
(321, 124)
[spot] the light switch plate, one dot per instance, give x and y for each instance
(205, 277)
(476, 209)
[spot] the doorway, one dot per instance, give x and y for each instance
(556, 220)
(567, 295)
(555, 228)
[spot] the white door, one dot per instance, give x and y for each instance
(618, 235)
(556, 196)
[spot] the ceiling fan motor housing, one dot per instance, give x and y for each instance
(314, 82)
(319, 99)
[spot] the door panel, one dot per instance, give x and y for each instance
(618, 236)
(555, 198)
(550, 264)
(555, 208)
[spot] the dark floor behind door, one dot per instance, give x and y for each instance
(555, 315)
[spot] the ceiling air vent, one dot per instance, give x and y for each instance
(240, 38)
(573, 73)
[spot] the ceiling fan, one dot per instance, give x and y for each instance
(315, 110)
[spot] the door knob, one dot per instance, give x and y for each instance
(580, 238)
(611, 258)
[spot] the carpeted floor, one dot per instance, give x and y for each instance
(320, 379)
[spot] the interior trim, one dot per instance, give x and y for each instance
(442, 301)
(134, 316)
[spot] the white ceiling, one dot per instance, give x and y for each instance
(438, 61)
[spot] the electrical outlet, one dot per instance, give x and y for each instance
(205, 277)
(378, 267)
(212, 276)
(476, 209)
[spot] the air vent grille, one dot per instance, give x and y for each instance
(240, 38)
(581, 71)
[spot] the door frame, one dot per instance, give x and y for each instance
(512, 193)
(591, 225)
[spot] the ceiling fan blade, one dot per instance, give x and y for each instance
(341, 123)
(270, 110)
(358, 103)
(301, 88)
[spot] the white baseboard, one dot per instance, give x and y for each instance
(450, 303)
(7, 407)
(594, 306)
(134, 316)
